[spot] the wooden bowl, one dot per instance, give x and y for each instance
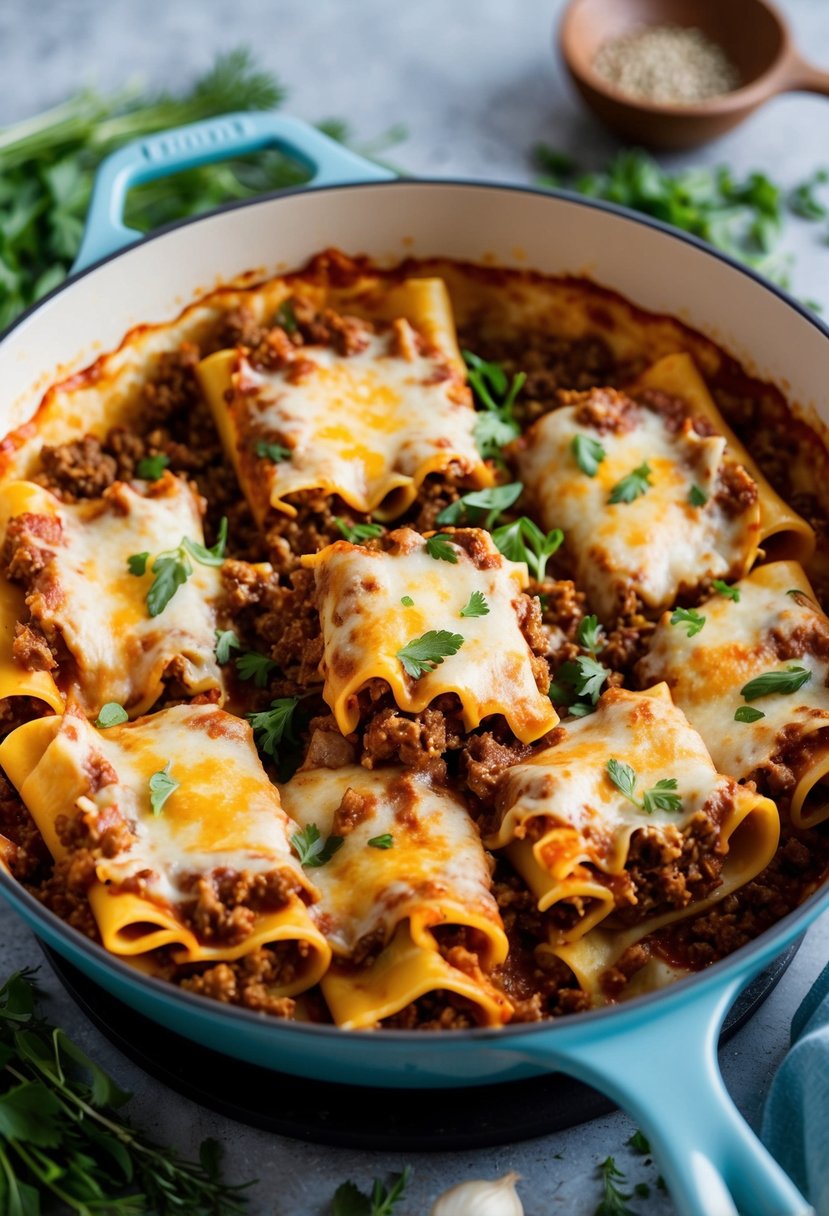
(752, 33)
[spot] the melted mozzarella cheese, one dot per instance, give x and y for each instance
(365, 624)
(738, 642)
(87, 595)
(436, 871)
(659, 544)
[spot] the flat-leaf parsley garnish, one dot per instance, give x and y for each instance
(386, 841)
(689, 617)
(272, 451)
(271, 726)
(481, 507)
(407, 601)
(495, 426)
(523, 541)
(255, 666)
(588, 453)
(660, 797)
(162, 785)
(476, 605)
(311, 849)
(633, 486)
(747, 713)
(112, 714)
(440, 548)
(357, 532)
(697, 496)
(590, 634)
(172, 568)
(137, 563)
(150, 468)
(226, 640)
(770, 682)
(724, 589)
(581, 677)
(424, 654)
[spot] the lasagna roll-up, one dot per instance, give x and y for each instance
(625, 820)
(405, 899)
(364, 407)
(649, 507)
(171, 828)
(85, 623)
(429, 616)
(762, 653)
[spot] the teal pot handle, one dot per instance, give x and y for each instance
(662, 1068)
(202, 143)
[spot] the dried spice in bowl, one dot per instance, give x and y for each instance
(666, 64)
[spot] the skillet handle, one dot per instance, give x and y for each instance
(663, 1070)
(202, 143)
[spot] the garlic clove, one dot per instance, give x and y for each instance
(480, 1198)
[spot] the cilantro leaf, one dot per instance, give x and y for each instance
(697, 496)
(311, 849)
(226, 640)
(588, 453)
(730, 593)
(424, 654)
(255, 666)
(781, 682)
(481, 507)
(689, 617)
(523, 541)
(112, 714)
(162, 785)
(150, 468)
(590, 634)
(272, 451)
(137, 563)
(273, 725)
(357, 532)
(476, 605)
(584, 675)
(661, 797)
(746, 713)
(633, 486)
(440, 548)
(386, 841)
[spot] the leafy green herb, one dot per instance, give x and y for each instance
(112, 714)
(581, 677)
(407, 601)
(424, 654)
(523, 541)
(641, 1190)
(226, 640)
(255, 666)
(746, 713)
(386, 841)
(590, 634)
(137, 563)
(481, 507)
(476, 605)
(350, 1201)
(172, 568)
(614, 1199)
(660, 797)
(690, 617)
(151, 467)
(697, 496)
(272, 451)
(783, 682)
(795, 591)
(639, 1143)
(496, 425)
(440, 548)
(803, 200)
(633, 486)
(311, 850)
(357, 532)
(580, 709)
(588, 453)
(286, 317)
(730, 593)
(273, 725)
(162, 785)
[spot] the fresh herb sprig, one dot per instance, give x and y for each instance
(312, 850)
(349, 1200)
(424, 654)
(481, 508)
(356, 533)
(578, 685)
(476, 605)
(588, 453)
(272, 726)
(495, 396)
(689, 617)
(614, 1199)
(780, 682)
(633, 486)
(660, 797)
(65, 1143)
(172, 567)
(523, 541)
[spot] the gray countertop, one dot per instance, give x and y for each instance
(476, 84)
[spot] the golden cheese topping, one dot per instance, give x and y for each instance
(666, 539)
(366, 624)
(87, 596)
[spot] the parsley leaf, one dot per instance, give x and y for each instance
(440, 548)
(350, 1201)
(639, 1143)
(112, 714)
(614, 1200)
(730, 593)
(481, 507)
(476, 605)
(162, 785)
(803, 200)
(150, 468)
(273, 725)
(424, 654)
(311, 849)
(580, 709)
(386, 841)
(272, 451)
(633, 486)
(172, 568)
(624, 778)
(787, 681)
(746, 713)
(584, 675)
(226, 640)
(285, 317)
(357, 532)
(208, 557)
(689, 617)
(588, 453)
(590, 634)
(697, 496)
(496, 426)
(137, 564)
(661, 797)
(407, 601)
(523, 541)
(252, 665)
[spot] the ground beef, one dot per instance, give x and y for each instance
(78, 469)
(31, 649)
(28, 856)
(737, 490)
(605, 410)
(438, 1010)
(418, 741)
(312, 528)
(279, 621)
(222, 906)
(668, 869)
(249, 981)
(484, 758)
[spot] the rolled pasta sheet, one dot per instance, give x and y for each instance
(775, 629)
(75, 590)
(378, 606)
(365, 407)
(405, 900)
(183, 835)
(625, 822)
(648, 505)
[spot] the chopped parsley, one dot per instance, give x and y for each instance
(588, 453)
(660, 797)
(730, 593)
(112, 714)
(590, 634)
(690, 617)
(581, 677)
(747, 713)
(150, 468)
(137, 564)
(523, 541)
(639, 1143)
(272, 451)
(787, 681)
(476, 605)
(697, 496)
(407, 601)
(424, 654)
(350, 1201)
(226, 640)
(481, 507)
(440, 548)
(495, 396)
(285, 317)
(386, 841)
(311, 849)
(357, 532)
(803, 200)
(255, 666)
(172, 568)
(162, 785)
(273, 725)
(633, 486)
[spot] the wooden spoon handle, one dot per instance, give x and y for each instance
(805, 77)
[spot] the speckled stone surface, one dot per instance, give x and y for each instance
(477, 85)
